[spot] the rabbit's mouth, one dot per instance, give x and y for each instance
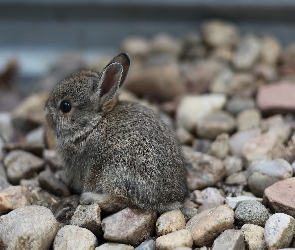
(83, 136)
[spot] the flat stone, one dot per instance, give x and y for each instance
(203, 170)
(36, 136)
(209, 224)
(74, 237)
(33, 148)
(238, 178)
(234, 201)
(248, 119)
(269, 102)
(129, 226)
(221, 80)
(232, 165)
(29, 227)
(251, 212)
(262, 174)
(49, 182)
(192, 109)
(279, 231)
(215, 124)
(22, 165)
(270, 50)
(254, 237)
(165, 44)
(149, 244)
(230, 239)
(4, 183)
(208, 195)
(114, 246)
(88, 216)
(169, 222)
(241, 85)
(6, 127)
(236, 104)
(220, 146)
(14, 197)
(280, 196)
(175, 239)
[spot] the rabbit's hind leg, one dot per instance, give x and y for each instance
(107, 203)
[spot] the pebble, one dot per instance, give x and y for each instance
(175, 239)
(280, 196)
(192, 109)
(215, 124)
(203, 170)
(49, 182)
(206, 226)
(220, 146)
(136, 47)
(238, 178)
(209, 195)
(14, 197)
(36, 136)
(30, 183)
(129, 226)
(248, 119)
(230, 239)
(35, 149)
(237, 104)
(269, 102)
(169, 222)
(201, 145)
(264, 173)
(88, 216)
(22, 165)
(279, 231)
(270, 50)
(234, 201)
(217, 33)
(73, 237)
(221, 80)
(184, 136)
(114, 246)
(207, 206)
(251, 212)
(165, 44)
(232, 165)
(239, 139)
(29, 227)
(241, 85)
(265, 73)
(254, 237)
(6, 127)
(149, 244)
(4, 183)
(247, 53)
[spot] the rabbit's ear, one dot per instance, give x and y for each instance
(124, 60)
(109, 82)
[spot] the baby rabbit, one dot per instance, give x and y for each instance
(116, 153)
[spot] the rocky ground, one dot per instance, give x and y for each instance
(230, 99)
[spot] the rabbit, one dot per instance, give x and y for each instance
(117, 154)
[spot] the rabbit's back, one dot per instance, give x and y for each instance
(139, 157)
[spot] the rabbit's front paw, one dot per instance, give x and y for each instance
(88, 198)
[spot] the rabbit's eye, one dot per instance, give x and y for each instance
(65, 106)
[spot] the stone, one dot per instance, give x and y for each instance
(203, 170)
(88, 216)
(137, 47)
(49, 182)
(114, 246)
(192, 109)
(33, 148)
(251, 212)
(217, 33)
(237, 104)
(265, 73)
(129, 226)
(169, 222)
(6, 127)
(30, 184)
(223, 54)
(248, 119)
(221, 81)
(4, 183)
(207, 206)
(264, 173)
(220, 146)
(36, 136)
(242, 85)
(234, 201)
(279, 231)
(239, 139)
(30, 114)
(14, 197)
(74, 237)
(269, 102)
(208, 195)
(238, 178)
(192, 47)
(215, 124)
(254, 237)
(29, 227)
(247, 53)
(162, 82)
(270, 50)
(209, 224)
(165, 44)
(280, 196)
(149, 244)
(201, 145)
(175, 239)
(184, 136)
(53, 158)
(230, 239)
(232, 165)
(22, 165)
